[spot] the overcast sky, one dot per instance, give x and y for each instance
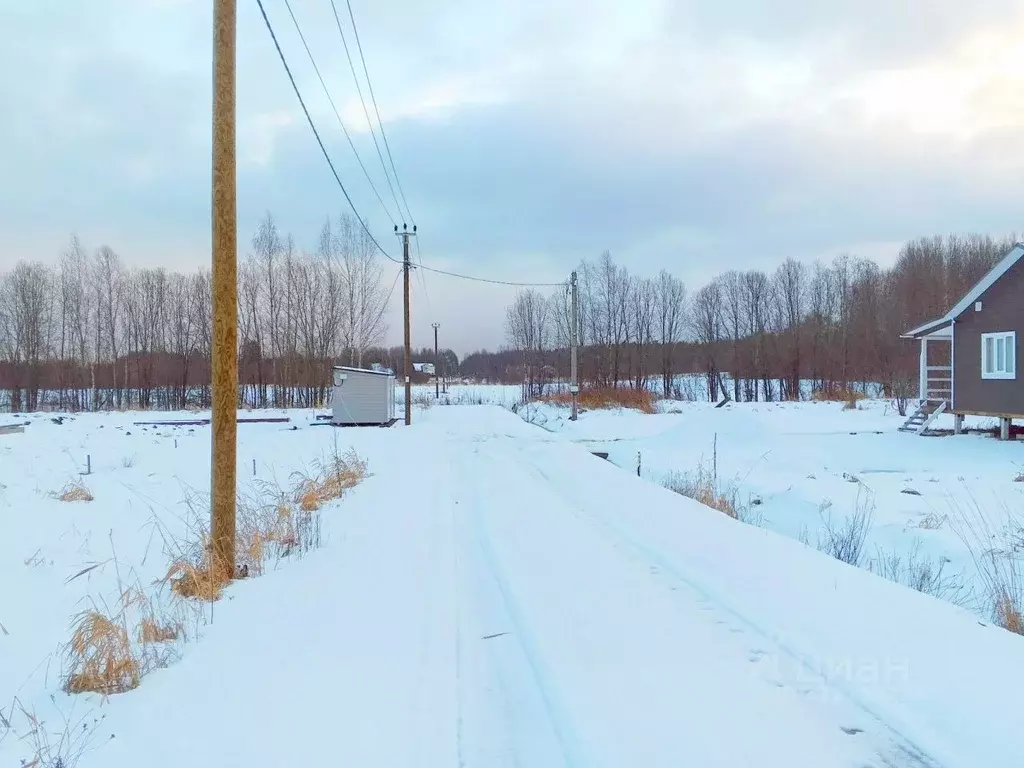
(694, 135)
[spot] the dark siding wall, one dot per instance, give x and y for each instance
(1002, 310)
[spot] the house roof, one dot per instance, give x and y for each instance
(362, 370)
(1000, 269)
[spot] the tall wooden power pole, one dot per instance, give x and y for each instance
(405, 234)
(224, 359)
(437, 367)
(574, 342)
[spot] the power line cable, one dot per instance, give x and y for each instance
(493, 282)
(373, 98)
(348, 198)
(337, 114)
(316, 133)
(423, 281)
(366, 111)
(387, 301)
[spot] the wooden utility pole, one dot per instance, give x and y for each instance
(437, 367)
(224, 359)
(574, 341)
(405, 234)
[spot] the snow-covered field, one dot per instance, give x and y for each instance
(804, 469)
(494, 595)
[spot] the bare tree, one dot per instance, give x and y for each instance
(560, 312)
(790, 290)
(362, 283)
(671, 307)
(108, 283)
(644, 299)
(707, 326)
(757, 293)
(528, 331)
(26, 309)
(821, 327)
(734, 310)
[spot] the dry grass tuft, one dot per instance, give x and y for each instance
(724, 503)
(932, 521)
(1019, 478)
(1008, 613)
(701, 486)
(266, 528)
(62, 747)
(101, 657)
(329, 481)
(200, 580)
(846, 540)
(423, 400)
(74, 491)
(848, 397)
(837, 395)
(152, 630)
(916, 570)
(992, 539)
(270, 523)
(608, 398)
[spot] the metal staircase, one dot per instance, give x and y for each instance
(922, 418)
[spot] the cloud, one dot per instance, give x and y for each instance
(694, 136)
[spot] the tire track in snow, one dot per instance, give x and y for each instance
(525, 724)
(648, 684)
(459, 607)
(906, 751)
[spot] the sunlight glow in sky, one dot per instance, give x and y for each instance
(528, 134)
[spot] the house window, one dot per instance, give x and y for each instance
(999, 355)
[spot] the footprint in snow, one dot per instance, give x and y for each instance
(850, 731)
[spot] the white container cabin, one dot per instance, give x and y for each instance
(362, 397)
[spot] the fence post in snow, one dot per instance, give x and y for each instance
(638, 463)
(88, 464)
(714, 453)
(254, 467)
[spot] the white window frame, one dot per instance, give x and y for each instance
(989, 368)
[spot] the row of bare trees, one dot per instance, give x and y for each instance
(91, 333)
(825, 327)
(622, 318)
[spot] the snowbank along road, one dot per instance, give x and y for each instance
(493, 595)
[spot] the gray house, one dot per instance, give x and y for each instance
(982, 331)
(362, 397)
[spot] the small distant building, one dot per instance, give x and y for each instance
(426, 368)
(982, 331)
(362, 397)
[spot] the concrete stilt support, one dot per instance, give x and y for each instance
(1004, 428)
(958, 424)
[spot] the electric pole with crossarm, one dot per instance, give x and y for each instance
(405, 234)
(574, 343)
(437, 366)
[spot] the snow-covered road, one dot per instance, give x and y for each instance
(620, 662)
(496, 596)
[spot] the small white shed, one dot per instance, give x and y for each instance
(362, 397)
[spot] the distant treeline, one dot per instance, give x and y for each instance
(91, 333)
(832, 323)
(162, 381)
